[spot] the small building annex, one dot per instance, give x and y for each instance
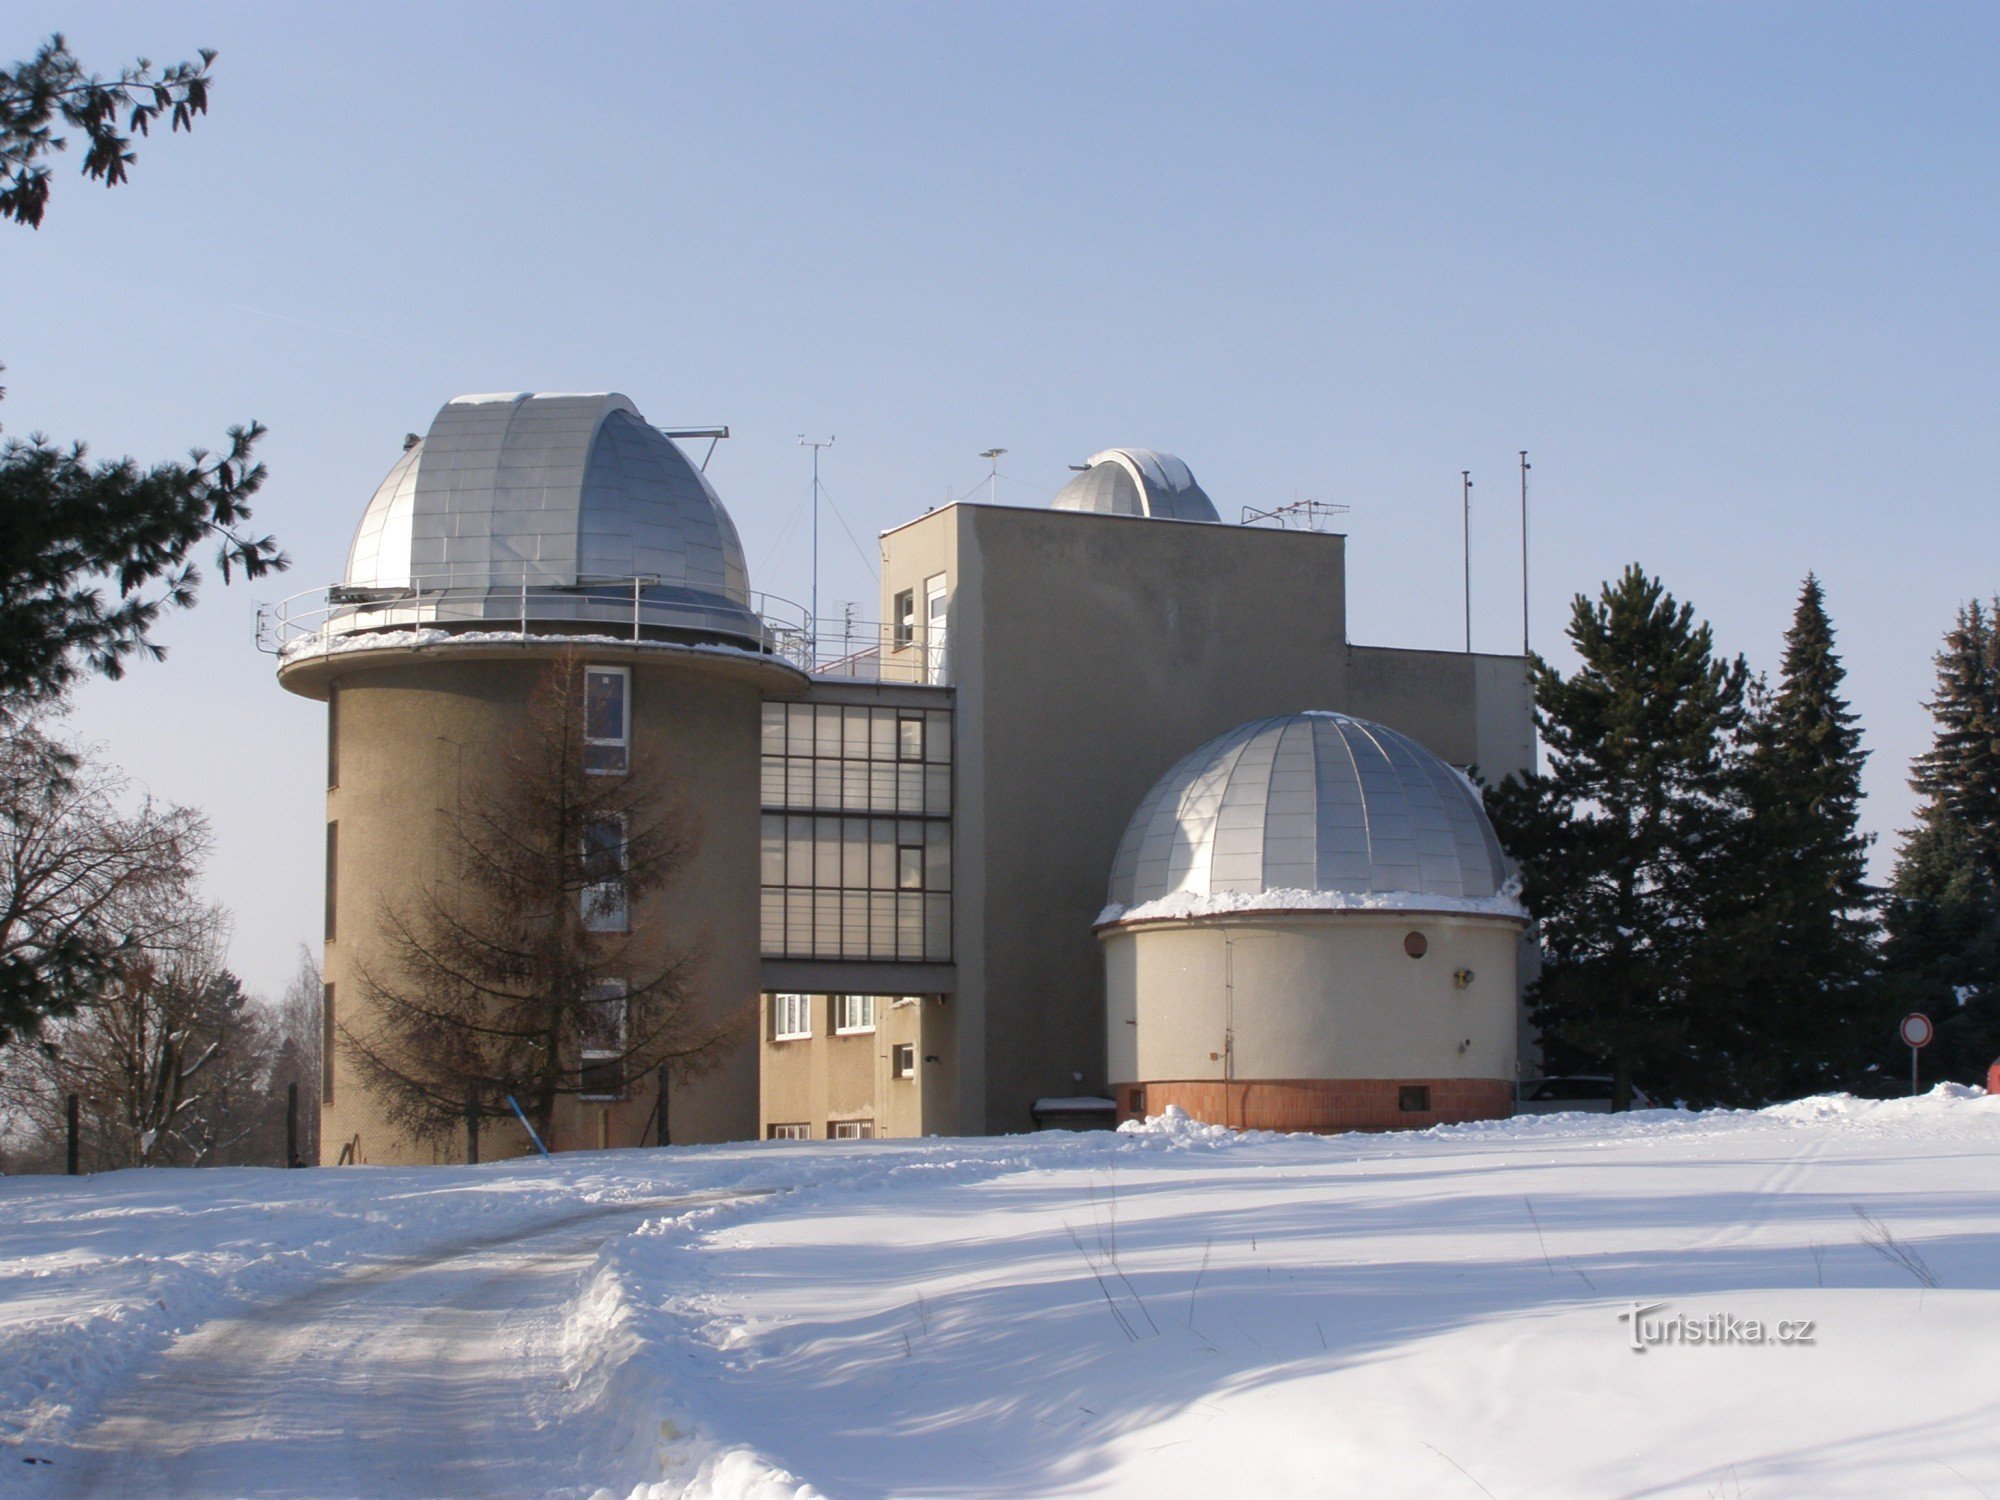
(909, 831)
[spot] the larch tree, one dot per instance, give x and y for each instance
(1622, 839)
(519, 973)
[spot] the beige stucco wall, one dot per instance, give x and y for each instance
(413, 727)
(814, 1080)
(1312, 995)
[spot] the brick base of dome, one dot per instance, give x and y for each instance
(1322, 1105)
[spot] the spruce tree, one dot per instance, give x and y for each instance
(1798, 938)
(1622, 839)
(1942, 948)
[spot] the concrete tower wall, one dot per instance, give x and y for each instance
(408, 730)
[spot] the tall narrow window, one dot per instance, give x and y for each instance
(936, 601)
(607, 720)
(905, 618)
(910, 737)
(333, 736)
(332, 874)
(601, 1049)
(326, 1043)
(604, 875)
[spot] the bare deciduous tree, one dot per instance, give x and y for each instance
(72, 866)
(520, 973)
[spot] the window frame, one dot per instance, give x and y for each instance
(850, 1130)
(795, 1008)
(844, 1007)
(903, 1061)
(601, 993)
(788, 1130)
(622, 744)
(598, 914)
(903, 618)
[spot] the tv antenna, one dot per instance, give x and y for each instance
(1525, 466)
(992, 457)
(806, 442)
(1300, 515)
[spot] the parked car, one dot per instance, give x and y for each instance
(1549, 1096)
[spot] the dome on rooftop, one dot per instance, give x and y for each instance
(1137, 482)
(574, 498)
(1315, 802)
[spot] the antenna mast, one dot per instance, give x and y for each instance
(992, 457)
(1465, 501)
(806, 442)
(1525, 466)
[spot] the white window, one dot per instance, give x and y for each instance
(792, 1132)
(607, 719)
(602, 1029)
(935, 602)
(905, 618)
(903, 1060)
(850, 1130)
(604, 875)
(853, 1013)
(791, 1017)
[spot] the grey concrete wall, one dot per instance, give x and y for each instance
(414, 727)
(1311, 995)
(1089, 653)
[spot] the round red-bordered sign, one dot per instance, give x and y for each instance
(1916, 1029)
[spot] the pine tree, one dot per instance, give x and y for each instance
(1621, 840)
(1798, 941)
(1961, 772)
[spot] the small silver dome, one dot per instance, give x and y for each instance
(1309, 802)
(1137, 482)
(572, 498)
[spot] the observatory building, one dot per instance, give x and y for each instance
(908, 830)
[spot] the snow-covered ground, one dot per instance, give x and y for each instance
(1167, 1311)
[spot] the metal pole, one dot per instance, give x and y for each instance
(1525, 466)
(292, 1126)
(75, 1163)
(1913, 1072)
(1465, 500)
(812, 661)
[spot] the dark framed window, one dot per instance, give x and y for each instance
(1414, 1098)
(332, 875)
(904, 618)
(327, 1034)
(333, 736)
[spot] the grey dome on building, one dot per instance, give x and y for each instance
(569, 505)
(1309, 802)
(1137, 482)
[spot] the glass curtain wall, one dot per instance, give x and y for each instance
(857, 832)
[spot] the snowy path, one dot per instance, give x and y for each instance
(1174, 1311)
(435, 1374)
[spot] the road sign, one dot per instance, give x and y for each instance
(1917, 1030)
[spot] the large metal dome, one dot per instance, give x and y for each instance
(1310, 802)
(1137, 482)
(571, 498)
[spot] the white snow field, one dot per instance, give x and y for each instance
(1171, 1310)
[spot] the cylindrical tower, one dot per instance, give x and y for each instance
(1311, 928)
(519, 530)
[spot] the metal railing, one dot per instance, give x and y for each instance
(635, 608)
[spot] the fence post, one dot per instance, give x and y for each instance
(665, 1135)
(75, 1161)
(292, 1126)
(472, 1130)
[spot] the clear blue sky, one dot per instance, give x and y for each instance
(1727, 270)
